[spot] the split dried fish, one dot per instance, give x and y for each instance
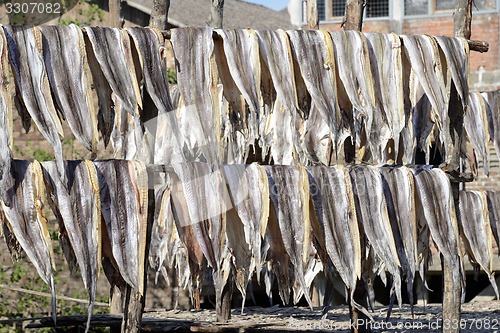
(197, 83)
(493, 203)
(80, 216)
(493, 114)
(477, 234)
(32, 84)
(289, 190)
(438, 210)
(69, 76)
(124, 205)
(371, 208)
(112, 50)
(475, 124)
(26, 220)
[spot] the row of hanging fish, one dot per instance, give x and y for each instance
(482, 126)
(309, 97)
(92, 199)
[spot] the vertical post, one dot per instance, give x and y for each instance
(216, 14)
(159, 14)
(134, 301)
(114, 13)
(353, 15)
(354, 21)
(312, 15)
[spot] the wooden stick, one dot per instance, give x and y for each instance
(312, 15)
(47, 295)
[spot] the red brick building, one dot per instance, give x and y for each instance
(432, 17)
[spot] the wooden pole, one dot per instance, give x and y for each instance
(312, 15)
(159, 14)
(216, 14)
(115, 13)
(353, 15)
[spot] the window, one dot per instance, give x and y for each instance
(338, 8)
(428, 7)
(321, 10)
(377, 8)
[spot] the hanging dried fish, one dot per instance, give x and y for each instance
(475, 222)
(197, 83)
(112, 50)
(314, 53)
(423, 54)
(493, 114)
(25, 52)
(76, 205)
(456, 51)
(475, 123)
(399, 190)
(124, 205)
(6, 126)
(289, 190)
(423, 121)
(69, 76)
(249, 193)
(333, 201)
(385, 53)
(373, 218)
(493, 202)
(26, 220)
(438, 210)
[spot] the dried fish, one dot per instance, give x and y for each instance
(493, 114)
(475, 123)
(289, 190)
(69, 76)
(32, 84)
(26, 220)
(80, 216)
(438, 210)
(385, 54)
(493, 202)
(313, 48)
(333, 201)
(371, 208)
(6, 126)
(399, 190)
(197, 83)
(423, 54)
(124, 205)
(475, 222)
(112, 50)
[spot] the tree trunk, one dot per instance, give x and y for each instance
(216, 14)
(114, 13)
(463, 18)
(353, 15)
(312, 14)
(159, 14)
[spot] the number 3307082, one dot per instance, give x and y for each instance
(33, 8)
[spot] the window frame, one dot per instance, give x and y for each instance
(433, 12)
(336, 19)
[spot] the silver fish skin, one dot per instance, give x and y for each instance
(197, 83)
(385, 53)
(81, 217)
(336, 213)
(289, 191)
(313, 50)
(148, 43)
(399, 190)
(371, 209)
(249, 191)
(493, 201)
(65, 60)
(477, 234)
(423, 120)
(493, 114)
(6, 128)
(423, 54)
(123, 186)
(26, 220)
(117, 66)
(438, 211)
(476, 127)
(456, 51)
(26, 58)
